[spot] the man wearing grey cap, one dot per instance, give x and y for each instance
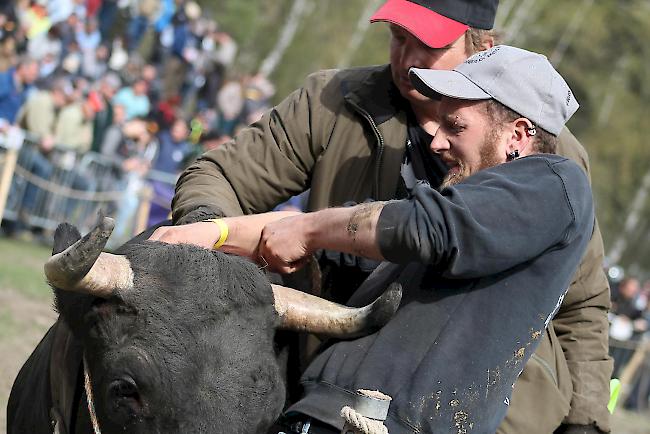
(484, 263)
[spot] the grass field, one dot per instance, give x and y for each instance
(25, 310)
(26, 313)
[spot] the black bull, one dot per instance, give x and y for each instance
(175, 339)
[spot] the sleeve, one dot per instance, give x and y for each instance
(5, 79)
(264, 165)
(582, 327)
(581, 323)
(497, 219)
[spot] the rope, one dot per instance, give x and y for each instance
(89, 398)
(99, 196)
(361, 424)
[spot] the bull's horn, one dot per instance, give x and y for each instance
(83, 267)
(304, 312)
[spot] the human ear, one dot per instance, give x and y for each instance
(521, 138)
(487, 42)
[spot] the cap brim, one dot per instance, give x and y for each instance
(434, 83)
(433, 29)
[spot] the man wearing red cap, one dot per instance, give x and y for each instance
(363, 133)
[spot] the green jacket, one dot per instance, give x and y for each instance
(343, 136)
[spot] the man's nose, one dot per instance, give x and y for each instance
(412, 56)
(439, 142)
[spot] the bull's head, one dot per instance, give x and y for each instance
(179, 338)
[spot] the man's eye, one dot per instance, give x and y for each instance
(455, 128)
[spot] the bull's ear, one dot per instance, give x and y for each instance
(65, 236)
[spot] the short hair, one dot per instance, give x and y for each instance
(474, 39)
(498, 114)
(26, 60)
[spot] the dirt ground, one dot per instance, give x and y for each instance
(23, 323)
(24, 318)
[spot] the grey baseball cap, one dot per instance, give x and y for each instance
(523, 81)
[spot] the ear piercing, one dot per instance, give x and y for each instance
(531, 131)
(513, 155)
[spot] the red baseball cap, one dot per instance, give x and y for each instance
(438, 23)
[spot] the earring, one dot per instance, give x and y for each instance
(513, 155)
(532, 131)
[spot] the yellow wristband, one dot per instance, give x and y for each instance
(223, 232)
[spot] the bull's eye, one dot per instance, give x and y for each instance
(124, 403)
(124, 388)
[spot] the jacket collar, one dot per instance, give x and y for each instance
(377, 95)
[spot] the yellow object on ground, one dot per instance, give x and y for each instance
(614, 389)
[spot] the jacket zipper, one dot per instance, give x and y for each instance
(380, 151)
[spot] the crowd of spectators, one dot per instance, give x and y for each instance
(146, 84)
(630, 328)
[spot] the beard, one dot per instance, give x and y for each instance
(488, 157)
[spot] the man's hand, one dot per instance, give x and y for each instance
(284, 244)
(202, 234)
(47, 143)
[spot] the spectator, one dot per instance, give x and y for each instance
(60, 10)
(146, 10)
(134, 99)
(173, 153)
(68, 31)
(119, 57)
(95, 66)
(625, 304)
(626, 321)
(15, 84)
(113, 137)
(138, 151)
(40, 111)
(71, 63)
(108, 86)
(173, 148)
(7, 52)
(218, 51)
(46, 44)
(150, 75)
(35, 20)
(88, 36)
(176, 66)
(230, 102)
(74, 129)
(106, 16)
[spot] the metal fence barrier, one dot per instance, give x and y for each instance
(39, 191)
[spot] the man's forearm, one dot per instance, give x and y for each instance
(349, 230)
(238, 235)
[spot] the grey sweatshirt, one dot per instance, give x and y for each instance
(484, 266)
